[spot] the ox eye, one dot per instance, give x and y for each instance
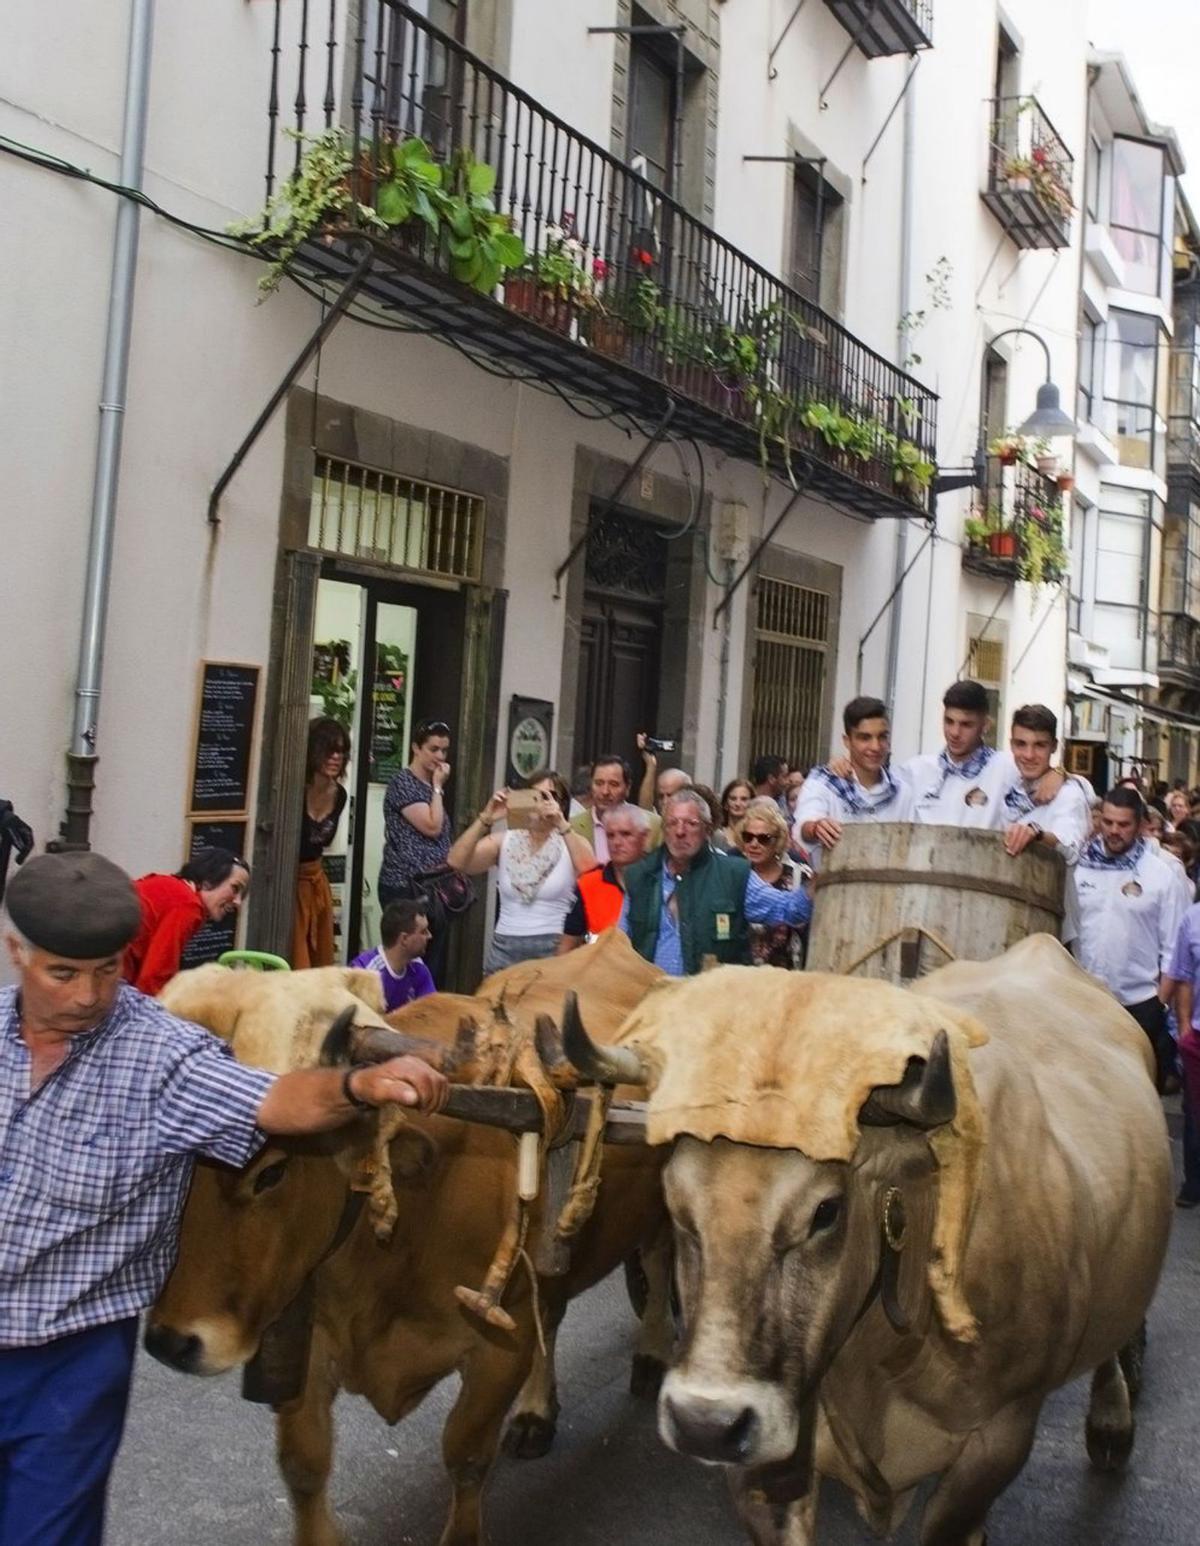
(270, 1176)
(826, 1215)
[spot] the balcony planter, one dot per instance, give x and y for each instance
(607, 335)
(1002, 544)
(527, 298)
(1047, 465)
(1066, 482)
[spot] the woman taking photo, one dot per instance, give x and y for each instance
(324, 801)
(417, 831)
(208, 888)
(762, 838)
(536, 870)
(734, 799)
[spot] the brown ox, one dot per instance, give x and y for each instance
(902, 1250)
(385, 1321)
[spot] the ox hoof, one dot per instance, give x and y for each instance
(1109, 1448)
(646, 1377)
(1132, 1359)
(529, 1437)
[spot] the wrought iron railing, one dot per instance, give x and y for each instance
(1017, 531)
(881, 27)
(612, 264)
(1030, 174)
(1179, 643)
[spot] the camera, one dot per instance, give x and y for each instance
(655, 743)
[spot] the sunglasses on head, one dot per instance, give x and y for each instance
(429, 727)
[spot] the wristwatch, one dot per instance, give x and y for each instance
(1035, 829)
(348, 1094)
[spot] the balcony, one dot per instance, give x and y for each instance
(1179, 649)
(494, 226)
(883, 27)
(1030, 175)
(1018, 532)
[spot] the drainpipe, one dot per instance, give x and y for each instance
(81, 759)
(907, 201)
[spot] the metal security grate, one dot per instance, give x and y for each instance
(985, 661)
(366, 513)
(791, 646)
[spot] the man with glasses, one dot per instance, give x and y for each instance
(688, 906)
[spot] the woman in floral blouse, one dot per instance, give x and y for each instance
(762, 838)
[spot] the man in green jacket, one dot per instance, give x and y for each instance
(686, 902)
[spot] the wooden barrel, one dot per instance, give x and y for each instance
(897, 900)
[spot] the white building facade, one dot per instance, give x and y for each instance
(533, 507)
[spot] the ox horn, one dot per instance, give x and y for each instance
(377, 1043)
(598, 1065)
(924, 1097)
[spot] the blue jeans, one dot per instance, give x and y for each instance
(62, 1411)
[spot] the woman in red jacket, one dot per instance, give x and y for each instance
(174, 907)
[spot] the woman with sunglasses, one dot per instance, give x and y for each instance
(417, 829)
(324, 801)
(762, 838)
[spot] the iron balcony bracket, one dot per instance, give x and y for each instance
(797, 495)
(328, 322)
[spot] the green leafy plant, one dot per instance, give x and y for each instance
(453, 202)
(482, 243)
(1043, 558)
(337, 698)
(317, 193)
(911, 470)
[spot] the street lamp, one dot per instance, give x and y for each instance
(1048, 421)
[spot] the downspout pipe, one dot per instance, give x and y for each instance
(907, 221)
(81, 758)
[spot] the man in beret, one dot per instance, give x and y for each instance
(106, 1100)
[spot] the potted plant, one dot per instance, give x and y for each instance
(912, 472)
(1046, 458)
(1066, 482)
(1018, 174)
(1002, 542)
(1008, 448)
(975, 530)
(556, 283)
(1043, 558)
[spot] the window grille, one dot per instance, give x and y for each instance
(365, 513)
(790, 668)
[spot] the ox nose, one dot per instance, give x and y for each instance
(725, 1433)
(177, 1349)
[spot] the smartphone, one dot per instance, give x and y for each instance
(655, 743)
(522, 803)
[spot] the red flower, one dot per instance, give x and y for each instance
(1039, 156)
(640, 255)
(599, 268)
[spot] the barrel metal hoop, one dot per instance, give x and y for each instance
(898, 877)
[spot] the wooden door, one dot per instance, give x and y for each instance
(618, 678)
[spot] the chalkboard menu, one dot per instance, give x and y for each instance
(224, 738)
(214, 939)
(388, 703)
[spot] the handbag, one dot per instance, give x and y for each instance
(453, 890)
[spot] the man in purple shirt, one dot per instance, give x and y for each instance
(404, 930)
(1183, 981)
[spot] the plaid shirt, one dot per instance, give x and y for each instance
(95, 1163)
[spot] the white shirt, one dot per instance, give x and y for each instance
(819, 800)
(1122, 924)
(949, 800)
(552, 900)
(1068, 816)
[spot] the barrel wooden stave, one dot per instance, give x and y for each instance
(892, 894)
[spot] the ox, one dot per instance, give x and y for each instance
(889, 1257)
(382, 1320)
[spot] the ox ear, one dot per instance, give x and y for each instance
(925, 1097)
(336, 1046)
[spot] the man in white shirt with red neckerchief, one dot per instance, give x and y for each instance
(869, 791)
(1124, 915)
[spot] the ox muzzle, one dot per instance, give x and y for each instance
(744, 1423)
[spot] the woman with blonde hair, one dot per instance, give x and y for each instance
(762, 838)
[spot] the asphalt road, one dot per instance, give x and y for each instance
(198, 1466)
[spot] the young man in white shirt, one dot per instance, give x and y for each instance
(1065, 822)
(828, 802)
(964, 784)
(1125, 916)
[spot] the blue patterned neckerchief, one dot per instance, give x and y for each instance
(1018, 801)
(1096, 857)
(971, 768)
(850, 792)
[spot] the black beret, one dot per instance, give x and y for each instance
(77, 905)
